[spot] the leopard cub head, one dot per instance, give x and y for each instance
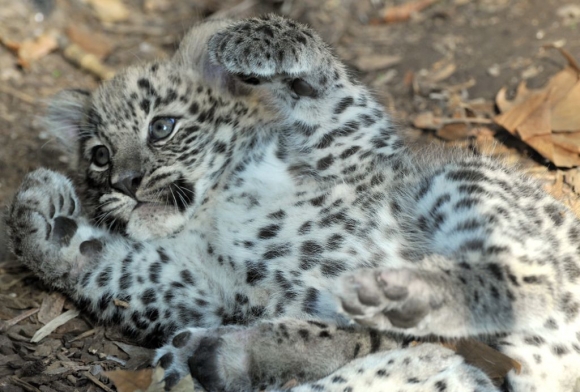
(148, 144)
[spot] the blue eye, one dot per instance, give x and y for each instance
(101, 156)
(160, 128)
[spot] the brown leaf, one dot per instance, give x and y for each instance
(565, 113)
(375, 62)
(568, 140)
(426, 120)
(91, 41)
(130, 381)
(492, 362)
(403, 12)
(51, 307)
(547, 119)
(110, 10)
(87, 61)
(455, 131)
(34, 49)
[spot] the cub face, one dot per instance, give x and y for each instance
(146, 143)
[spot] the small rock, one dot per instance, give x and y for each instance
(494, 70)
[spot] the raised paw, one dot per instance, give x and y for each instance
(271, 47)
(43, 220)
(383, 299)
(214, 357)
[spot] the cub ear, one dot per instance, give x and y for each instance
(64, 117)
(193, 53)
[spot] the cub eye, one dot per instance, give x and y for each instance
(160, 128)
(100, 156)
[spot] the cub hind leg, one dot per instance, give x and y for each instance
(317, 355)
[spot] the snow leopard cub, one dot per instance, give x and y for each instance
(256, 210)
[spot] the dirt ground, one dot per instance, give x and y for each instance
(452, 51)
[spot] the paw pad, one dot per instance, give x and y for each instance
(64, 229)
(181, 339)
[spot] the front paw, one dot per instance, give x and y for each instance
(214, 357)
(43, 220)
(384, 299)
(266, 46)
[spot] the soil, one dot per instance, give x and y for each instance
(453, 49)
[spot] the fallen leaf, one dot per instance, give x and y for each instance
(455, 131)
(403, 12)
(426, 120)
(32, 49)
(454, 128)
(565, 113)
(156, 5)
(147, 380)
(130, 381)
(442, 70)
(110, 10)
(53, 324)
(91, 41)
(547, 119)
(138, 356)
(51, 307)
(375, 62)
(87, 61)
(492, 362)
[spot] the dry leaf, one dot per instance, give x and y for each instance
(130, 381)
(375, 62)
(426, 120)
(146, 380)
(547, 119)
(90, 41)
(403, 12)
(138, 356)
(455, 128)
(54, 324)
(156, 5)
(492, 362)
(51, 307)
(442, 70)
(455, 131)
(33, 49)
(87, 61)
(110, 10)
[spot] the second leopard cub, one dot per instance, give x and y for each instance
(256, 210)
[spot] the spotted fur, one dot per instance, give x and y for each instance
(253, 207)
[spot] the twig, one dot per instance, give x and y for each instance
(7, 324)
(84, 335)
(87, 61)
(97, 382)
(18, 94)
(465, 120)
(23, 384)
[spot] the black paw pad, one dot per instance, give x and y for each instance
(302, 88)
(351, 309)
(203, 364)
(181, 339)
(91, 248)
(408, 316)
(166, 360)
(396, 293)
(64, 230)
(171, 380)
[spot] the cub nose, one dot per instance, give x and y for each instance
(128, 183)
